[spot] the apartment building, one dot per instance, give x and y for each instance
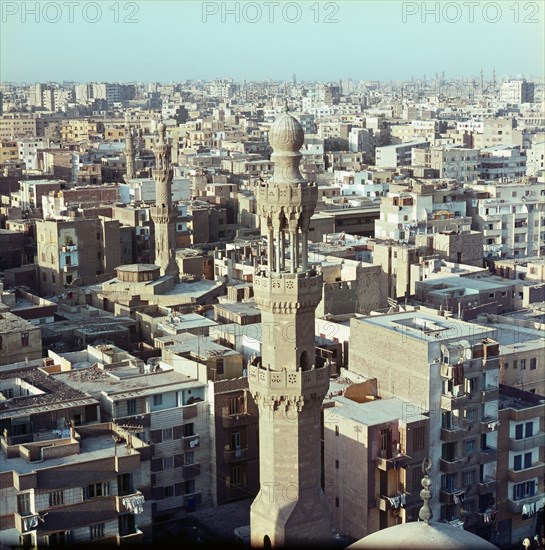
(81, 248)
(521, 465)
(86, 486)
(457, 163)
(373, 452)
(20, 340)
(510, 215)
(167, 409)
(453, 378)
(501, 162)
(400, 154)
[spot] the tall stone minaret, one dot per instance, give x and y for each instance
(163, 214)
(129, 153)
(290, 508)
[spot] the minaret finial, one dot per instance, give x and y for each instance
(425, 513)
(286, 106)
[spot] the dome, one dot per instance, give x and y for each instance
(418, 535)
(286, 134)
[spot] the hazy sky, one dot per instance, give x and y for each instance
(178, 39)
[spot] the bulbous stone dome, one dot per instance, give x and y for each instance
(161, 127)
(286, 134)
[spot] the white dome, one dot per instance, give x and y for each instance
(418, 535)
(286, 134)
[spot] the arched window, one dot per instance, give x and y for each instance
(304, 362)
(267, 542)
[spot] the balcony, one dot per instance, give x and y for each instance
(26, 523)
(453, 433)
(191, 470)
(486, 485)
(518, 445)
(515, 506)
(385, 503)
(447, 496)
(190, 442)
(489, 454)
(189, 411)
(490, 393)
(130, 499)
(518, 476)
(453, 465)
(235, 420)
(69, 247)
(385, 464)
(70, 268)
(235, 455)
(132, 538)
(450, 402)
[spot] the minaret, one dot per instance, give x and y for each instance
(129, 153)
(163, 214)
(290, 508)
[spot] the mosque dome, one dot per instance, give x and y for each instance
(423, 535)
(286, 134)
(418, 535)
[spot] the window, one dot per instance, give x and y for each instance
(515, 363)
(24, 339)
(219, 367)
(131, 406)
(524, 490)
(522, 364)
(23, 504)
(168, 491)
(527, 460)
(469, 477)
(1, 343)
(336, 430)
(96, 490)
(157, 400)
(189, 458)
(336, 502)
(519, 431)
(188, 430)
(236, 405)
(96, 531)
(238, 475)
(529, 429)
(470, 447)
(418, 439)
(167, 434)
(168, 462)
(189, 486)
(533, 363)
(336, 464)
(60, 537)
(56, 498)
(471, 414)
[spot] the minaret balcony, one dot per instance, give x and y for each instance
(288, 381)
(288, 287)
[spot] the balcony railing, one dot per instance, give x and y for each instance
(518, 476)
(451, 402)
(452, 433)
(489, 454)
(398, 461)
(450, 496)
(26, 523)
(131, 538)
(234, 420)
(452, 465)
(515, 506)
(234, 455)
(190, 442)
(518, 445)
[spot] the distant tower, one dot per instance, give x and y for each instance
(290, 508)
(163, 214)
(294, 79)
(482, 81)
(129, 153)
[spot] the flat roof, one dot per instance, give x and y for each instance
(91, 448)
(428, 327)
(375, 412)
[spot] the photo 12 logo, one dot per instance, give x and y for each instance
(69, 12)
(470, 12)
(270, 12)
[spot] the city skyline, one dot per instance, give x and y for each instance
(335, 39)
